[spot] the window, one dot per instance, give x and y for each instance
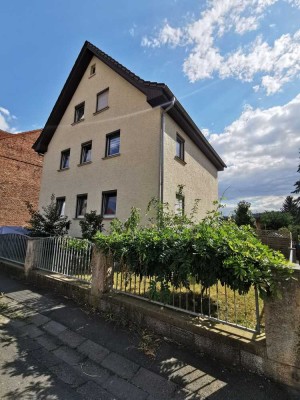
(79, 112)
(81, 205)
(65, 159)
(93, 69)
(102, 100)
(179, 147)
(60, 205)
(86, 153)
(112, 144)
(109, 203)
(179, 205)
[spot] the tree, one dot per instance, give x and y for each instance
(90, 225)
(242, 214)
(48, 223)
(289, 205)
(275, 220)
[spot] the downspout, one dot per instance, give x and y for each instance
(162, 144)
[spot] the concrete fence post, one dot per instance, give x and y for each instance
(282, 326)
(30, 256)
(102, 275)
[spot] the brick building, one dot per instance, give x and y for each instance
(20, 175)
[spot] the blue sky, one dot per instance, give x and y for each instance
(234, 65)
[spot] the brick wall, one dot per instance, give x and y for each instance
(20, 176)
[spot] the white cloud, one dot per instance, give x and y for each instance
(260, 149)
(275, 64)
(6, 120)
(132, 30)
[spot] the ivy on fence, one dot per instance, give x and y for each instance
(175, 248)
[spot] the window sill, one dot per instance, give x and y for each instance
(84, 163)
(63, 169)
(180, 160)
(109, 217)
(77, 122)
(113, 156)
(100, 111)
(92, 75)
(79, 218)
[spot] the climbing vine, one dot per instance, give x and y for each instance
(173, 249)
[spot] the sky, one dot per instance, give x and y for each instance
(233, 64)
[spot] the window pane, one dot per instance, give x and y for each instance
(79, 113)
(178, 148)
(81, 206)
(86, 153)
(102, 100)
(60, 206)
(110, 204)
(65, 158)
(179, 205)
(113, 145)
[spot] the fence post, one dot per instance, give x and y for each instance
(282, 326)
(30, 256)
(102, 275)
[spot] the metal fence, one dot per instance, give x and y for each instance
(13, 247)
(217, 303)
(57, 254)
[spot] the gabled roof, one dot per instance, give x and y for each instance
(158, 94)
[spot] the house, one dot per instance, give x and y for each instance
(21, 170)
(113, 141)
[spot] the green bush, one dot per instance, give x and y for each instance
(211, 251)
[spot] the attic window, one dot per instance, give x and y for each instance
(79, 112)
(93, 69)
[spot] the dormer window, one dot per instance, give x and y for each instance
(79, 113)
(93, 69)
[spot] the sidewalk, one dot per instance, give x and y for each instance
(50, 348)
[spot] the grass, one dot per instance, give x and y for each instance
(218, 301)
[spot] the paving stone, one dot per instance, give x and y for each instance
(154, 384)
(93, 371)
(120, 365)
(39, 319)
(45, 357)
(48, 342)
(18, 323)
(123, 389)
(70, 356)
(71, 338)
(55, 328)
(31, 331)
(68, 375)
(93, 350)
(28, 344)
(91, 391)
